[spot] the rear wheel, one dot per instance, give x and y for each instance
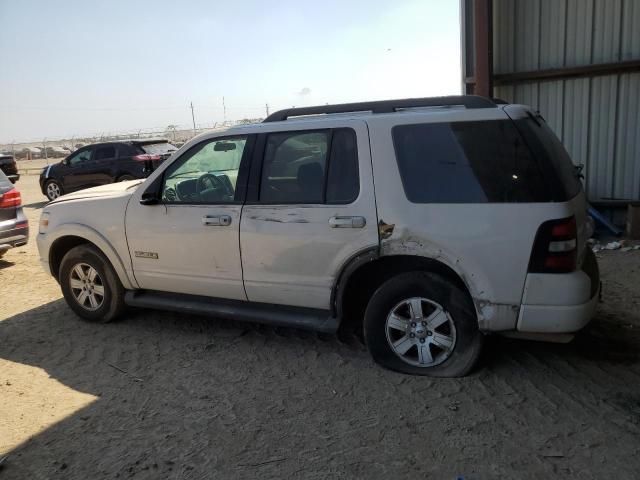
(125, 177)
(53, 189)
(420, 323)
(90, 285)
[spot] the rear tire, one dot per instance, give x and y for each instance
(125, 177)
(90, 285)
(53, 189)
(420, 323)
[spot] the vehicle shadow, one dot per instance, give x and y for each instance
(5, 264)
(182, 396)
(36, 205)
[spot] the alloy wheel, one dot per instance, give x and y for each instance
(87, 286)
(420, 332)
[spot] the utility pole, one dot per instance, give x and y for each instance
(193, 117)
(224, 110)
(266, 106)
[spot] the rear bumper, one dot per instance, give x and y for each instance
(556, 318)
(560, 303)
(15, 237)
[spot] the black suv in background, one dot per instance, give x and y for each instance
(9, 167)
(103, 163)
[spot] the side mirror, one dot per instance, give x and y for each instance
(149, 198)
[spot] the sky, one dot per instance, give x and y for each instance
(73, 68)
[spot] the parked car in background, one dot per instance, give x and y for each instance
(9, 167)
(477, 224)
(56, 152)
(14, 226)
(103, 163)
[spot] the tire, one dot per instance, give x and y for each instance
(53, 189)
(447, 327)
(125, 177)
(86, 259)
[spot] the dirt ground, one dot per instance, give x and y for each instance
(161, 395)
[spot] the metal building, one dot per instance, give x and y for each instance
(578, 63)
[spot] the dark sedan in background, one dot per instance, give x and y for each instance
(14, 226)
(9, 167)
(103, 163)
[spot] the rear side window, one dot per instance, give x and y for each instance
(105, 153)
(310, 167)
(467, 162)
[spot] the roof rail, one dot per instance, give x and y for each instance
(384, 106)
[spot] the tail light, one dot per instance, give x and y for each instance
(24, 224)
(145, 156)
(10, 199)
(555, 247)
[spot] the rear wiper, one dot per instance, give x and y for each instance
(534, 118)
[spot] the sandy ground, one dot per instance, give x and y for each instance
(161, 395)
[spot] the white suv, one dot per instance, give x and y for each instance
(435, 220)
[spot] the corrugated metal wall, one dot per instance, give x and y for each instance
(598, 118)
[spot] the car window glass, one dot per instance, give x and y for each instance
(105, 153)
(467, 162)
(80, 157)
(294, 167)
(207, 173)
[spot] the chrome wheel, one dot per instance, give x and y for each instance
(420, 332)
(53, 190)
(86, 286)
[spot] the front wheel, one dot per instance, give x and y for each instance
(421, 323)
(90, 285)
(125, 178)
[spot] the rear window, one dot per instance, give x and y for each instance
(564, 181)
(159, 148)
(467, 162)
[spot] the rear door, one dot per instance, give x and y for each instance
(310, 209)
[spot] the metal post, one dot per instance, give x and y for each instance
(482, 48)
(193, 117)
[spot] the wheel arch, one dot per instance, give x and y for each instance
(74, 235)
(364, 273)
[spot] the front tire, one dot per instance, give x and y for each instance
(420, 323)
(90, 285)
(53, 189)
(126, 177)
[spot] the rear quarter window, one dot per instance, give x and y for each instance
(467, 162)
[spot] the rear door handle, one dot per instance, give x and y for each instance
(216, 220)
(347, 222)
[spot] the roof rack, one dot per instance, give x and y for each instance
(384, 106)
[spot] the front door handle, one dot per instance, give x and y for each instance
(347, 222)
(216, 220)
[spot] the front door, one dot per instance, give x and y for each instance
(74, 167)
(189, 243)
(310, 209)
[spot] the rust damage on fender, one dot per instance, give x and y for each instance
(385, 230)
